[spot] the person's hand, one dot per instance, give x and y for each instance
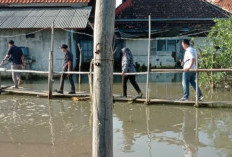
(2, 62)
(23, 65)
(186, 69)
(123, 74)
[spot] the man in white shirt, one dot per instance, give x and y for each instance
(189, 77)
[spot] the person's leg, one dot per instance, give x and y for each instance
(124, 85)
(62, 77)
(18, 74)
(15, 75)
(72, 83)
(134, 83)
(185, 84)
(193, 83)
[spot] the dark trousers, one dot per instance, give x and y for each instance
(62, 78)
(133, 82)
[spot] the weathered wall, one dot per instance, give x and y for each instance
(139, 49)
(39, 46)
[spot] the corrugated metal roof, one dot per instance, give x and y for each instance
(42, 1)
(43, 17)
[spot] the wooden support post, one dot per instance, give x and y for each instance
(197, 83)
(102, 139)
(80, 64)
(50, 75)
(0, 82)
(148, 63)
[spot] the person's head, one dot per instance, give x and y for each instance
(125, 50)
(185, 43)
(11, 43)
(64, 48)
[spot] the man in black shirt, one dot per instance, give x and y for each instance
(15, 55)
(67, 67)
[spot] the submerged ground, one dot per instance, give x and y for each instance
(36, 127)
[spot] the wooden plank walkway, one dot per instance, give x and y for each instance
(117, 98)
(26, 91)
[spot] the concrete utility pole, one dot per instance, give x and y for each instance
(102, 142)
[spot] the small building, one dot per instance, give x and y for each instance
(29, 22)
(171, 21)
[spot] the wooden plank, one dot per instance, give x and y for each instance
(25, 91)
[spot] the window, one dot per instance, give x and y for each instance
(161, 45)
(171, 45)
(166, 45)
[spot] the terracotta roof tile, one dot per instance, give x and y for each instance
(41, 1)
(225, 4)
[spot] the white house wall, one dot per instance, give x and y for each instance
(139, 50)
(39, 46)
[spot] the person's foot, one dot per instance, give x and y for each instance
(20, 82)
(15, 87)
(72, 92)
(140, 95)
(183, 99)
(201, 98)
(59, 91)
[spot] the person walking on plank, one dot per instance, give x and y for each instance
(128, 67)
(189, 77)
(67, 67)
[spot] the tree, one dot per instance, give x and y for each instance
(217, 53)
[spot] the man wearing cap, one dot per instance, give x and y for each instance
(67, 67)
(15, 55)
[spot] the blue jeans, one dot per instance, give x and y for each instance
(189, 77)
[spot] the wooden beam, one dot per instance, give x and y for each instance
(102, 139)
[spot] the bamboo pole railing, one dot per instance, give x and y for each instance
(153, 71)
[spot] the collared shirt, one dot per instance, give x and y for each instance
(190, 53)
(15, 53)
(68, 56)
(127, 61)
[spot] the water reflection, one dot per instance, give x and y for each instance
(173, 131)
(35, 127)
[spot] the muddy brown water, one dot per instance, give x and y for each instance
(36, 127)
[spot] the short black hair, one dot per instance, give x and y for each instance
(11, 42)
(186, 41)
(64, 46)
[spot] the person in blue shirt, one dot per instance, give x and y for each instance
(67, 67)
(128, 67)
(15, 55)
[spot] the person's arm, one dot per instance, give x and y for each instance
(5, 58)
(9, 53)
(22, 58)
(69, 66)
(192, 61)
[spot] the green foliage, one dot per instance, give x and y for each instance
(217, 52)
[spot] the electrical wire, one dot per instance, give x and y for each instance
(11, 36)
(77, 32)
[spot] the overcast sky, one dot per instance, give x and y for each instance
(118, 2)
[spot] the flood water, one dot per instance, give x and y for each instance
(36, 127)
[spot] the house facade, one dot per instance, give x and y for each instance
(171, 21)
(29, 22)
